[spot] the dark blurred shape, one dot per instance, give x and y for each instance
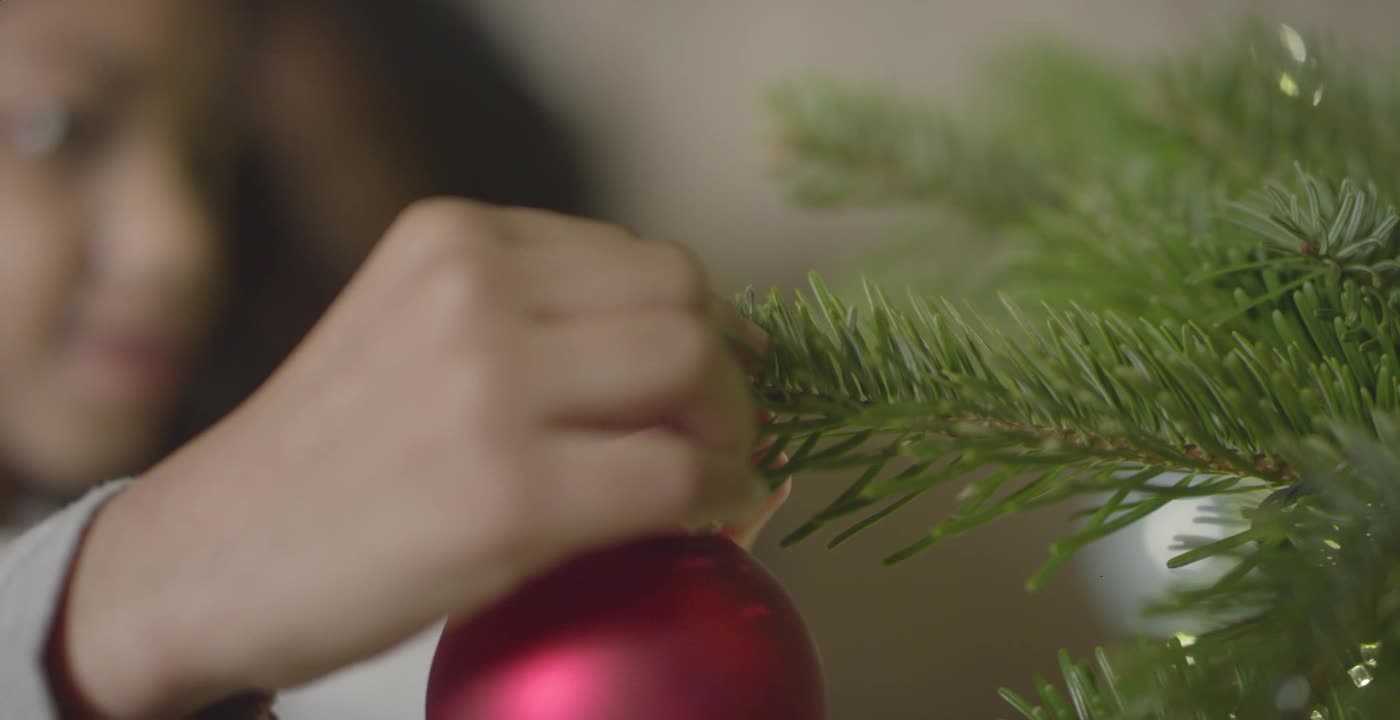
(480, 131)
(451, 117)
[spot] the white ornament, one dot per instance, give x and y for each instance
(1127, 571)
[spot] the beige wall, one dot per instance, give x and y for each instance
(666, 93)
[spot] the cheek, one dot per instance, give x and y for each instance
(41, 263)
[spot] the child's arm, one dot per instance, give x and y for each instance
(33, 573)
(496, 390)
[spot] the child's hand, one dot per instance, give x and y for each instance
(746, 531)
(497, 389)
(754, 341)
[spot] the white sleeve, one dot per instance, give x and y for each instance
(33, 571)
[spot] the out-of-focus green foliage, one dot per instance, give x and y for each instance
(1200, 299)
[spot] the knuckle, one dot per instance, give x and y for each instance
(446, 225)
(472, 284)
(691, 348)
(458, 272)
(681, 271)
(457, 301)
(442, 212)
(613, 233)
(592, 229)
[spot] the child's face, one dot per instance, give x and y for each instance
(111, 267)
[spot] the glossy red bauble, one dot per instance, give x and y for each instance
(684, 627)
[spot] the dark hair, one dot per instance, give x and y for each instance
(485, 135)
(472, 125)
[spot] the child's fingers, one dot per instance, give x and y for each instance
(615, 485)
(746, 532)
(566, 280)
(646, 368)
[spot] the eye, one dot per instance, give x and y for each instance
(46, 129)
(39, 130)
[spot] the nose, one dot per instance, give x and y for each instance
(155, 236)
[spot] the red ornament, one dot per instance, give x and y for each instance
(683, 627)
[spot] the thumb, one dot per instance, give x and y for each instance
(746, 531)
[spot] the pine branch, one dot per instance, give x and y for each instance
(1086, 404)
(1074, 159)
(843, 145)
(1346, 230)
(1179, 345)
(1321, 598)
(1265, 97)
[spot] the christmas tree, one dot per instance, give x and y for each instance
(1199, 297)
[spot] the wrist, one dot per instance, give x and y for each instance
(118, 648)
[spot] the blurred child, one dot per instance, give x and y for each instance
(206, 503)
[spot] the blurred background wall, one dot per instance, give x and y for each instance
(666, 94)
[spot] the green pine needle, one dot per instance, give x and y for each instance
(1200, 294)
